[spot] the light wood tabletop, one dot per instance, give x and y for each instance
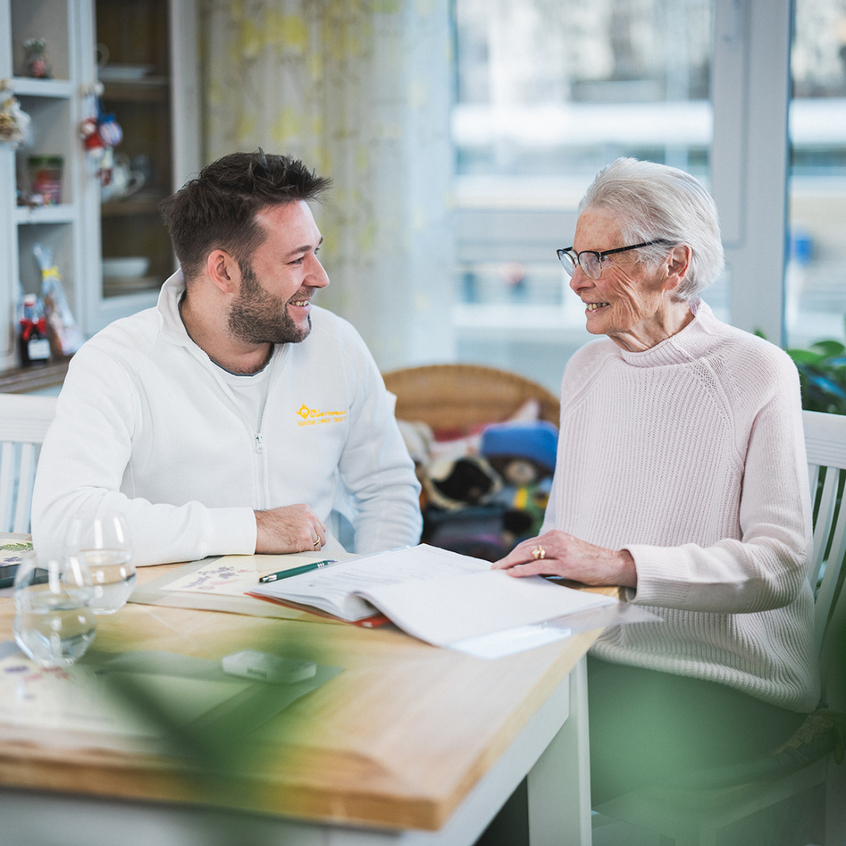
(397, 740)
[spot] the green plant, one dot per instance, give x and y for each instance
(822, 374)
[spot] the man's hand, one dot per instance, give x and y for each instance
(570, 558)
(290, 528)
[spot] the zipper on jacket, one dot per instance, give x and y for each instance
(259, 442)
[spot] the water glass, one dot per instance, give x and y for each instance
(103, 545)
(54, 624)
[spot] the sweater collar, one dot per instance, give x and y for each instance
(168, 307)
(695, 340)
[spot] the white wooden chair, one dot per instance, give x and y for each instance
(24, 420)
(694, 816)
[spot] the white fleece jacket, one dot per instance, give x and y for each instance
(146, 424)
(691, 455)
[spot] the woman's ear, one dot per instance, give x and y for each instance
(223, 270)
(678, 265)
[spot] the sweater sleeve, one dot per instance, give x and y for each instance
(86, 458)
(765, 567)
(375, 466)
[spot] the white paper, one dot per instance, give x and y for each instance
(436, 595)
(447, 610)
(335, 588)
(511, 641)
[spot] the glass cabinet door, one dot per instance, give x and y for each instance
(133, 49)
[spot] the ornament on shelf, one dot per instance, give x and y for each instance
(14, 121)
(62, 331)
(35, 62)
(100, 134)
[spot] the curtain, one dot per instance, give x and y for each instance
(360, 90)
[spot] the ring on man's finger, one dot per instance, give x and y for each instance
(538, 553)
(317, 542)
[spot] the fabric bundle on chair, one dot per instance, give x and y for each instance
(484, 442)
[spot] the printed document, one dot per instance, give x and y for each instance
(436, 595)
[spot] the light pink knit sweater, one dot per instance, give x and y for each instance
(691, 456)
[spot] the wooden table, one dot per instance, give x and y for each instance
(409, 745)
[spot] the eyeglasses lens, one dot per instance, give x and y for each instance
(591, 265)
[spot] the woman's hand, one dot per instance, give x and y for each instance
(570, 558)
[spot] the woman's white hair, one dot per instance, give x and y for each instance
(653, 201)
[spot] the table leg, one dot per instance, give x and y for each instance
(559, 782)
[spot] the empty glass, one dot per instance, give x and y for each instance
(54, 624)
(102, 543)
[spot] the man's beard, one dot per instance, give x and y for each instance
(258, 317)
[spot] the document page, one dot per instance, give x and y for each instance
(334, 588)
(448, 610)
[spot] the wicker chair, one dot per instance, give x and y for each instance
(462, 396)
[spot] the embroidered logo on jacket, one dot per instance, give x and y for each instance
(312, 416)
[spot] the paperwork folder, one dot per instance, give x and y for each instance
(433, 594)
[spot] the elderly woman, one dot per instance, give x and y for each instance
(681, 475)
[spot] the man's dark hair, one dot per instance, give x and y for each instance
(217, 209)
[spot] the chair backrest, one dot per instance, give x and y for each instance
(825, 442)
(460, 396)
(23, 423)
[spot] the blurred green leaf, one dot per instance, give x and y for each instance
(822, 374)
(830, 349)
(800, 356)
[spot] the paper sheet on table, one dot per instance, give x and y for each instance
(234, 575)
(512, 641)
(229, 576)
(223, 584)
(338, 589)
(446, 610)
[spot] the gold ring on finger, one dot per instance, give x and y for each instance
(538, 553)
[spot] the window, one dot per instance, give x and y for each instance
(548, 92)
(816, 272)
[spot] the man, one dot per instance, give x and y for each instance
(235, 417)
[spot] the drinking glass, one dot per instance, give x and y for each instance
(102, 544)
(54, 624)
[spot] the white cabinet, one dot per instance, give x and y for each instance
(66, 227)
(149, 82)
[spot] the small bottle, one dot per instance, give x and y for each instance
(34, 343)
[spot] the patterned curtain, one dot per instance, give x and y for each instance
(360, 90)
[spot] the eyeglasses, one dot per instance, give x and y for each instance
(591, 260)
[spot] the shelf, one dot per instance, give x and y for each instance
(63, 213)
(21, 380)
(23, 86)
(122, 208)
(148, 90)
(113, 287)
